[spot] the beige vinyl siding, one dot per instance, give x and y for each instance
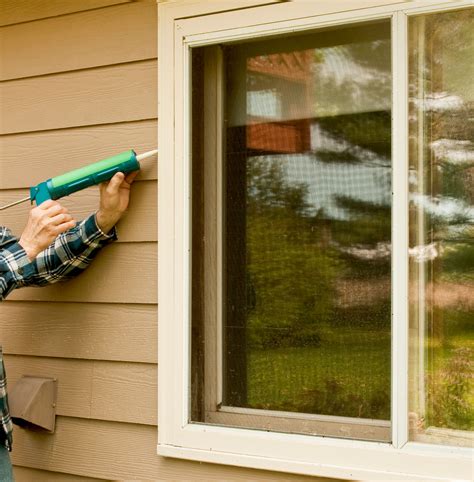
(80, 84)
(105, 36)
(18, 11)
(25, 474)
(41, 329)
(102, 95)
(77, 145)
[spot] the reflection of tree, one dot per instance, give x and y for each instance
(368, 228)
(296, 266)
(290, 272)
(364, 240)
(295, 259)
(364, 135)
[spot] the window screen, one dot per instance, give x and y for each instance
(291, 233)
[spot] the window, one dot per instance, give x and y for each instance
(441, 226)
(292, 234)
(316, 238)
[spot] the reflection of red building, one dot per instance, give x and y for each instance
(288, 74)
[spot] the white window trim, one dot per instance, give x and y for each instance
(304, 454)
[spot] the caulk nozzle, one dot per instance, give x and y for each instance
(146, 155)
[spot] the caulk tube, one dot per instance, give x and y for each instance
(79, 179)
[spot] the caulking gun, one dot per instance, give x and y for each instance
(65, 184)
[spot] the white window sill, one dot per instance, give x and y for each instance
(320, 456)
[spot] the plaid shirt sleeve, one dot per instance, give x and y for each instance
(6, 427)
(71, 253)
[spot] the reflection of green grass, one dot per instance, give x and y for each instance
(449, 374)
(347, 375)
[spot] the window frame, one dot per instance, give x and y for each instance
(179, 30)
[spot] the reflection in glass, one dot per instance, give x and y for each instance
(441, 145)
(306, 230)
(307, 323)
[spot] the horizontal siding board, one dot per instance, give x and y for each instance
(90, 448)
(126, 392)
(116, 391)
(119, 451)
(121, 273)
(96, 331)
(25, 474)
(47, 154)
(94, 38)
(16, 11)
(118, 93)
(138, 224)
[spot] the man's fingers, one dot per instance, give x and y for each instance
(56, 209)
(61, 218)
(115, 183)
(62, 228)
(131, 176)
(47, 204)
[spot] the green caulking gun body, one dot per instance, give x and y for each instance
(66, 184)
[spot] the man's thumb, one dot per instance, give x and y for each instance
(115, 182)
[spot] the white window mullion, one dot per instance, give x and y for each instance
(399, 231)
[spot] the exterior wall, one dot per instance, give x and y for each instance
(79, 84)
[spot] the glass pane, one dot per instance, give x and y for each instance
(441, 227)
(305, 234)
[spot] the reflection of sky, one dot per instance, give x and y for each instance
(368, 179)
(347, 85)
(327, 181)
(444, 207)
(439, 102)
(266, 103)
(454, 151)
(361, 182)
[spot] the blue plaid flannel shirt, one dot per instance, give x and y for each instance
(71, 253)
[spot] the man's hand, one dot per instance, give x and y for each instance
(45, 223)
(114, 198)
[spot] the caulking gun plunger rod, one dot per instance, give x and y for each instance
(79, 179)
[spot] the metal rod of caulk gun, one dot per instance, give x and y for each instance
(15, 203)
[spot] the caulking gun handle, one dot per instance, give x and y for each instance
(41, 192)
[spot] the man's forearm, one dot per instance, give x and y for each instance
(106, 221)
